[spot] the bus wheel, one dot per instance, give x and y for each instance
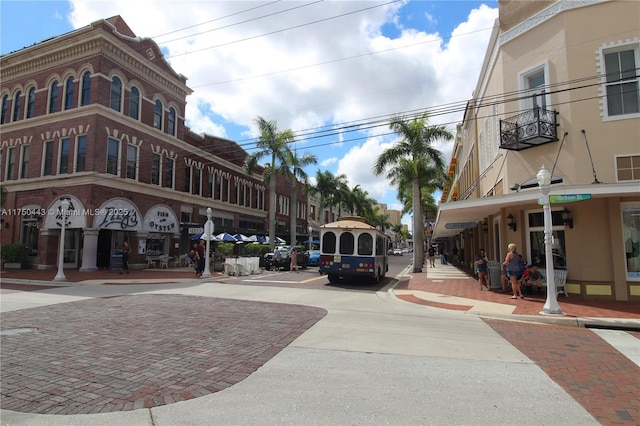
(333, 278)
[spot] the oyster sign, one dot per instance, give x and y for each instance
(160, 219)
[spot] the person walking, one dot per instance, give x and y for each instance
(125, 257)
(294, 259)
(432, 256)
(512, 263)
(482, 270)
(200, 254)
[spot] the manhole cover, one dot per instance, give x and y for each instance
(16, 331)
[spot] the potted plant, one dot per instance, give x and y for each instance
(15, 256)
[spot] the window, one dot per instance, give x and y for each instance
(134, 103)
(168, 172)
(365, 245)
(171, 124)
(187, 179)
(533, 83)
(30, 227)
(5, 109)
(628, 168)
(47, 165)
(132, 161)
(63, 162)
(17, 106)
(113, 148)
(155, 169)
(53, 97)
(631, 237)
(81, 153)
(31, 102)
(86, 89)
(157, 114)
(347, 243)
(11, 163)
(68, 93)
(210, 180)
(24, 162)
(536, 240)
(622, 82)
(329, 243)
(116, 94)
(198, 182)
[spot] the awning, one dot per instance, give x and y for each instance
(453, 216)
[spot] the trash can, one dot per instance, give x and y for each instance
(116, 262)
(495, 274)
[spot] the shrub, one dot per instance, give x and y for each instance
(256, 249)
(224, 249)
(14, 253)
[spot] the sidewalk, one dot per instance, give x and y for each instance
(444, 286)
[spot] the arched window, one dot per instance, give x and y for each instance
(68, 93)
(116, 94)
(134, 103)
(171, 124)
(5, 109)
(157, 114)
(53, 97)
(86, 89)
(31, 102)
(17, 106)
(347, 243)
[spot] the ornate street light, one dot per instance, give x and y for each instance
(209, 229)
(310, 236)
(551, 305)
(63, 211)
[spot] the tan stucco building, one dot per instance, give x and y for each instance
(559, 87)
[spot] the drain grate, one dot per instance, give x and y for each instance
(17, 331)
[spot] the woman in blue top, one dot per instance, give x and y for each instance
(512, 263)
(481, 269)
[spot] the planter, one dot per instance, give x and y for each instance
(16, 265)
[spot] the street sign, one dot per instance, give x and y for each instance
(460, 225)
(566, 198)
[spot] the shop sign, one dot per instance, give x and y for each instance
(460, 225)
(119, 214)
(160, 218)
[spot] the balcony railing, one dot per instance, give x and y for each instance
(531, 128)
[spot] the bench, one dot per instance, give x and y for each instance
(560, 279)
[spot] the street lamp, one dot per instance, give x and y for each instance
(209, 229)
(310, 236)
(551, 304)
(63, 210)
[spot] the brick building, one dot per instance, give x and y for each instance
(96, 116)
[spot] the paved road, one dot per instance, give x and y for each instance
(366, 357)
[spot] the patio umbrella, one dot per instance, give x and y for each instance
(226, 237)
(258, 239)
(200, 236)
(242, 238)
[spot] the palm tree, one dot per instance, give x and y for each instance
(359, 202)
(397, 233)
(430, 180)
(415, 145)
(274, 144)
(326, 184)
(296, 171)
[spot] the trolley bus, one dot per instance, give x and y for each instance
(350, 247)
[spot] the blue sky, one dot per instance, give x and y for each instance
(310, 66)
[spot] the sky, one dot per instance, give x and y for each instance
(334, 72)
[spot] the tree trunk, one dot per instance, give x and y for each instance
(418, 229)
(272, 210)
(293, 212)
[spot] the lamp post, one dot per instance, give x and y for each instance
(209, 229)
(310, 236)
(551, 304)
(63, 211)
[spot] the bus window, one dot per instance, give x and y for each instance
(346, 243)
(329, 243)
(365, 245)
(380, 249)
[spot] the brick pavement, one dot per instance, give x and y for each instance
(596, 375)
(128, 352)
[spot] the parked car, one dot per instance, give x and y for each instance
(285, 256)
(397, 252)
(314, 257)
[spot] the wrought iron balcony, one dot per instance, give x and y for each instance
(530, 129)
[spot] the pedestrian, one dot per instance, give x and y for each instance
(513, 264)
(200, 252)
(482, 270)
(294, 259)
(125, 257)
(432, 256)
(443, 257)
